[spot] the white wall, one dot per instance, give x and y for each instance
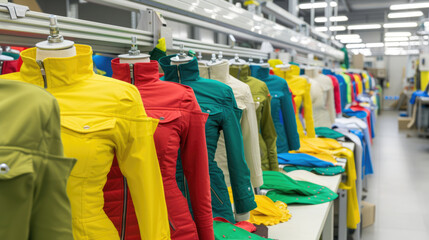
(395, 67)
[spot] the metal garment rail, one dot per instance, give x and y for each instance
(34, 27)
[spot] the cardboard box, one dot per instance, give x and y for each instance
(358, 61)
(368, 214)
(403, 123)
(378, 72)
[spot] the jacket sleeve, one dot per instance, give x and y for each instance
(289, 120)
(244, 199)
(268, 132)
(138, 162)
(196, 169)
(308, 112)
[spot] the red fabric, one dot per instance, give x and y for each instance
(271, 72)
(368, 117)
(181, 126)
(293, 101)
(243, 224)
(337, 94)
(20, 49)
(11, 66)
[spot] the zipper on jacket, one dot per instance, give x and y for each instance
(132, 73)
(124, 212)
(239, 71)
(1, 67)
(217, 196)
(171, 224)
(185, 185)
(209, 72)
(42, 70)
(178, 74)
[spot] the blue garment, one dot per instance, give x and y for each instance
(358, 114)
(418, 94)
(282, 110)
(343, 90)
(366, 146)
(302, 159)
(103, 63)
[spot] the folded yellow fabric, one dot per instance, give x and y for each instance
(268, 212)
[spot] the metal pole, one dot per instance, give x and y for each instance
(293, 7)
(312, 15)
(328, 12)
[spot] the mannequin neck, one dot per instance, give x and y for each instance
(41, 54)
(178, 63)
(134, 60)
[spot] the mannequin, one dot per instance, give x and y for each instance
(312, 72)
(55, 46)
(134, 55)
(181, 58)
(237, 61)
(261, 63)
(283, 67)
(214, 61)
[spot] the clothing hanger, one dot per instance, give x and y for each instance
(134, 56)
(237, 61)
(55, 46)
(181, 57)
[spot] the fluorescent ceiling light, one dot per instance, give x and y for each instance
(358, 45)
(347, 36)
(409, 6)
(397, 34)
(395, 39)
(364, 26)
(351, 40)
(374, 45)
(316, 5)
(332, 28)
(400, 25)
(321, 29)
(405, 14)
(332, 19)
(414, 38)
(392, 44)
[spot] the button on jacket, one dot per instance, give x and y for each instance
(249, 124)
(282, 110)
(181, 125)
(267, 131)
(101, 117)
(301, 90)
(33, 171)
(218, 100)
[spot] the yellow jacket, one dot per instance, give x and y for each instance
(301, 90)
(102, 118)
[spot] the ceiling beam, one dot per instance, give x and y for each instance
(346, 5)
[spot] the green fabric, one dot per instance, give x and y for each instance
(33, 194)
(14, 55)
(283, 188)
(346, 58)
(349, 90)
(328, 133)
(267, 131)
(217, 99)
(330, 171)
(225, 230)
(156, 54)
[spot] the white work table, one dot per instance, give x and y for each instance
(308, 221)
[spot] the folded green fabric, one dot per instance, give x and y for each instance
(225, 230)
(328, 133)
(326, 171)
(283, 188)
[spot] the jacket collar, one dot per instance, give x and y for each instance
(241, 72)
(219, 72)
(143, 72)
(259, 72)
(59, 71)
(179, 73)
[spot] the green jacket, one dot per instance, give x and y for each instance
(33, 171)
(267, 132)
(217, 99)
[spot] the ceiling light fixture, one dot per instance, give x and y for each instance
(397, 34)
(316, 5)
(374, 45)
(358, 45)
(405, 14)
(332, 28)
(400, 25)
(332, 19)
(351, 40)
(364, 26)
(395, 39)
(346, 36)
(409, 6)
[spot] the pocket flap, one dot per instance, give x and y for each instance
(14, 164)
(87, 124)
(165, 116)
(211, 110)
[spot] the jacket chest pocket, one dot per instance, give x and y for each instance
(89, 140)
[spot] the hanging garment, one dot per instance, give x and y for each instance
(159, 51)
(10, 66)
(101, 118)
(349, 87)
(269, 213)
(321, 114)
(281, 187)
(181, 125)
(218, 100)
(249, 124)
(326, 171)
(103, 65)
(328, 96)
(301, 90)
(33, 171)
(359, 84)
(337, 93)
(266, 128)
(302, 159)
(343, 90)
(282, 110)
(328, 133)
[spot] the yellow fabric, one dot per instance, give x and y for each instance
(249, 2)
(102, 118)
(301, 90)
(424, 80)
(353, 214)
(359, 84)
(268, 212)
(367, 83)
(162, 45)
(319, 147)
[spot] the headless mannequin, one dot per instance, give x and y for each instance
(134, 55)
(237, 61)
(261, 63)
(55, 46)
(311, 72)
(181, 58)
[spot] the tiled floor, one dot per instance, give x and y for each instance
(400, 185)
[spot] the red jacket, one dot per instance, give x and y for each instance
(337, 93)
(182, 125)
(10, 66)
